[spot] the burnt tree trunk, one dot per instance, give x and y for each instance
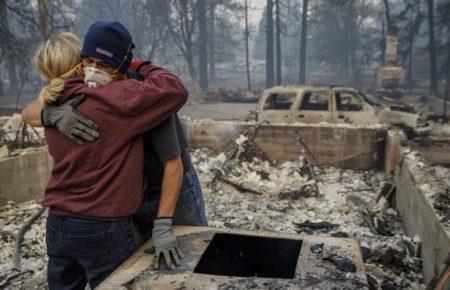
(409, 73)
(302, 63)
(432, 48)
(269, 45)
(383, 42)
(278, 42)
(387, 12)
(353, 37)
(12, 74)
(203, 46)
(414, 26)
(447, 87)
(194, 79)
(247, 57)
(6, 42)
(45, 18)
(387, 15)
(212, 44)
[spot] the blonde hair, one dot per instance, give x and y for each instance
(55, 61)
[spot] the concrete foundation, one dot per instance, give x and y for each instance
(312, 271)
(394, 141)
(24, 177)
(352, 147)
(415, 195)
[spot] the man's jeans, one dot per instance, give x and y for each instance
(84, 251)
(189, 211)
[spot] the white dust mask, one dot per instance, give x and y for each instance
(95, 77)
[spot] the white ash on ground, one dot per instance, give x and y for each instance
(32, 274)
(281, 197)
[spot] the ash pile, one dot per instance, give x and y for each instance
(31, 272)
(245, 189)
(436, 179)
(18, 138)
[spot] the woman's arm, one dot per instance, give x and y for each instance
(32, 113)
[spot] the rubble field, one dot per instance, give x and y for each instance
(244, 189)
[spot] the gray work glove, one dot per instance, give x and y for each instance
(70, 122)
(165, 244)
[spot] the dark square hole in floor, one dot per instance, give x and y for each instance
(249, 256)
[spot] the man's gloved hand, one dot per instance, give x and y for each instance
(70, 122)
(165, 244)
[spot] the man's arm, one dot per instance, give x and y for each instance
(171, 185)
(164, 140)
(166, 145)
(149, 102)
(32, 113)
(163, 238)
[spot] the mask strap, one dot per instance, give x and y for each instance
(124, 59)
(71, 71)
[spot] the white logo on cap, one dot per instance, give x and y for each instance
(104, 52)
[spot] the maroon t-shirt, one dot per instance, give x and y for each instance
(103, 179)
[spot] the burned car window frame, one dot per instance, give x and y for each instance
(348, 107)
(270, 105)
(306, 97)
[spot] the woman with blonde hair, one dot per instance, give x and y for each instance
(58, 59)
(94, 189)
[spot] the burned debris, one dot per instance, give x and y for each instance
(392, 259)
(18, 138)
(245, 189)
(32, 273)
(307, 225)
(343, 264)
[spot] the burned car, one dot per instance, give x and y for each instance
(309, 104)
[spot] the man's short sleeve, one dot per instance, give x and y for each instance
(165, 140)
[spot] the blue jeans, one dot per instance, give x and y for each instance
(189, 211)
(82, 251)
